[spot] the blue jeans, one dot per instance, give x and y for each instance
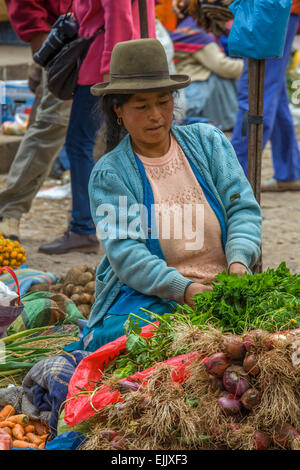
(278, 121)
(80, 140)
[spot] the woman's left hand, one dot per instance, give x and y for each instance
(238, 268)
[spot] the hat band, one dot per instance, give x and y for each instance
(150, 75)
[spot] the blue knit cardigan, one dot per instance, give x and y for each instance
(127, 259)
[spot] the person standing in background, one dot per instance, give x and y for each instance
(45, 137)
(121, 23)
(278, 122)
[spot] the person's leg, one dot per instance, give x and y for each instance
(84, 124)
(285, 151)
(34, 158)
(274, 81)
(80, 141)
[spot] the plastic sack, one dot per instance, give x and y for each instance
(259, 28)
(78, 406)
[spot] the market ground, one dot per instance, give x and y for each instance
(48, 219)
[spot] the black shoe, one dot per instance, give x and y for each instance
(71, 241)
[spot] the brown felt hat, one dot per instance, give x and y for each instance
(138, 66)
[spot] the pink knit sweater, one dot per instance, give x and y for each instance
(187, 227)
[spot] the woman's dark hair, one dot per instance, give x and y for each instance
(114, 132)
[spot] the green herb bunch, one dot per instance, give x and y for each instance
(268, 300)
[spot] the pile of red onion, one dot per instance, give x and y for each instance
(230, 374)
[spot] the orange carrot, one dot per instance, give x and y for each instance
(29, 428)
(6, 424)
(18, 432)
(8, 430)
(34, 438)
(44, 436)
(25, 438)
(41, 428)
(19, 419)
(42, 445)
(7, 411)
(24, 445)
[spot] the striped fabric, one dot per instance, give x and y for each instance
(28, 277)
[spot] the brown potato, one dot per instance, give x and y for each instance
(78, 290)
(90, 287)
(84, 309)
(76, 299)
(85, 278)
(85, 298)
(68, 289)
(74, 273)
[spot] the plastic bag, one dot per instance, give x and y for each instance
(80, 407)
(6, 295)
(259, 28)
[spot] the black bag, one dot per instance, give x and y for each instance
(63, 69)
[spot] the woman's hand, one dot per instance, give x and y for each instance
(192, 290)
(238, 268)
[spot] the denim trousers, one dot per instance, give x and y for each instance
(278, 121)
(85, 121)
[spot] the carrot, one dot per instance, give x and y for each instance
(6, 424)
(18, 432)
(42, 445)
(44, 436)
(8, 430)
(24, 445)
(40, 428)
(29, 428)
(19, 419)
(33, 438)
(7, 411)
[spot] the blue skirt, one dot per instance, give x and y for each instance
(110, 327)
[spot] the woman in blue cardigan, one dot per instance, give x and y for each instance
(155, 172)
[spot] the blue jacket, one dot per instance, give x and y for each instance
(139, 263)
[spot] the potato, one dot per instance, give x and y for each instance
(90, 287)
(78, 290)
(74, 273)
(85, 278)
(58, 288)
(84, 309)
(93, 299)
(68, 289)
(76, 299)
(85, 298)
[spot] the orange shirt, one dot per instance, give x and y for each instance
(296, 7)
(165, 15)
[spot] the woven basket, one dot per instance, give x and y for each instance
(11, 312)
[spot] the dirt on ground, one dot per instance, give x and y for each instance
(48, 219)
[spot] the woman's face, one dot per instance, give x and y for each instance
(147, 117)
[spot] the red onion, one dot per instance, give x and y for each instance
(234, 347)
(284, 433)
(230, 404)
(216, 364)
(129, 385)
(216, 383)
(250, 364)
(108, 434)
(250, 398)
(261, 440)
(234, 380)
(119, 442)
(252, 337)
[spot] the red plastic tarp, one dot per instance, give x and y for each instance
(89, 372)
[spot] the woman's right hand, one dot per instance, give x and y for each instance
(194, 289)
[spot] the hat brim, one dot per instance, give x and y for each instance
(128, 86)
